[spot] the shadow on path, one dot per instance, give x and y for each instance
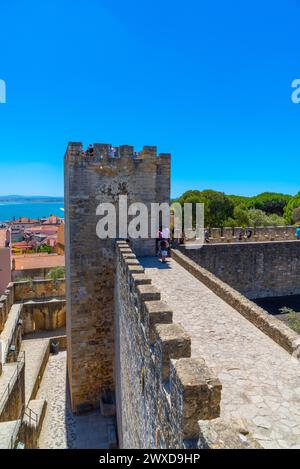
(154, 263)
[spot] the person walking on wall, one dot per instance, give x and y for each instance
(164, 246)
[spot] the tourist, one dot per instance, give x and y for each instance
(298, 232)
(182, 239)
(241, 235)
(111, 151)
(158, 241)
(248, 233)
(206, 235)
(166, 233)
(164, 245)
(90, 150)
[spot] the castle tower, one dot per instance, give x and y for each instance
(90, 261)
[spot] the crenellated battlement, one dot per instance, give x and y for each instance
(105, 152)
(156, 367)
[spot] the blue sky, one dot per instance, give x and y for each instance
(209, 82)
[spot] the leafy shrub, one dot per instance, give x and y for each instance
(56, 273)
(293, 203)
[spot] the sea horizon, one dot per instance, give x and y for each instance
(34, 210)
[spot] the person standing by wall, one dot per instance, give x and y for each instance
(164, 246)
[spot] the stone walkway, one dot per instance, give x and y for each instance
(61, 428)
(261, 381)
(35, 351)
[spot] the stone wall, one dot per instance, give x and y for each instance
(6, 302)
(43, 315)
(15, 401)
(255, 270)
(259, 233)
(5, 267)
(90, 262)
(27, 290)
(40, 273)
(161, 392)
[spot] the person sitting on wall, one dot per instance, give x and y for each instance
(206, 235)
(298, 232)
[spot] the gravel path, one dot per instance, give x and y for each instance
(261, 381)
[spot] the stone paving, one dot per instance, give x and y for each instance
(61, 428)
(35, 351)
(8, 433)
(261, 381)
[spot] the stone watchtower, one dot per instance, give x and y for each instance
(90, 262)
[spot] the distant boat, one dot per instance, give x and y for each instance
(62, 209)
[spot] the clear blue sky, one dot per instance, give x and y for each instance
(209, 82)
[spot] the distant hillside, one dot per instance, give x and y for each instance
(29, 199)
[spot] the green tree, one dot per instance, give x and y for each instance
(296, 215)
(217, 208)
(230, 223)
(241, 216)
(45, 248)
(275, 220)
(269, 202)
(238, 200)
(293, 203)
(56, 273)
(257, 217)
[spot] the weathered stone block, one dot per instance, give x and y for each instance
(156, 312)
(147, 293)
(225, 434)
(140, 279)
(171, 341)
(195, 394)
